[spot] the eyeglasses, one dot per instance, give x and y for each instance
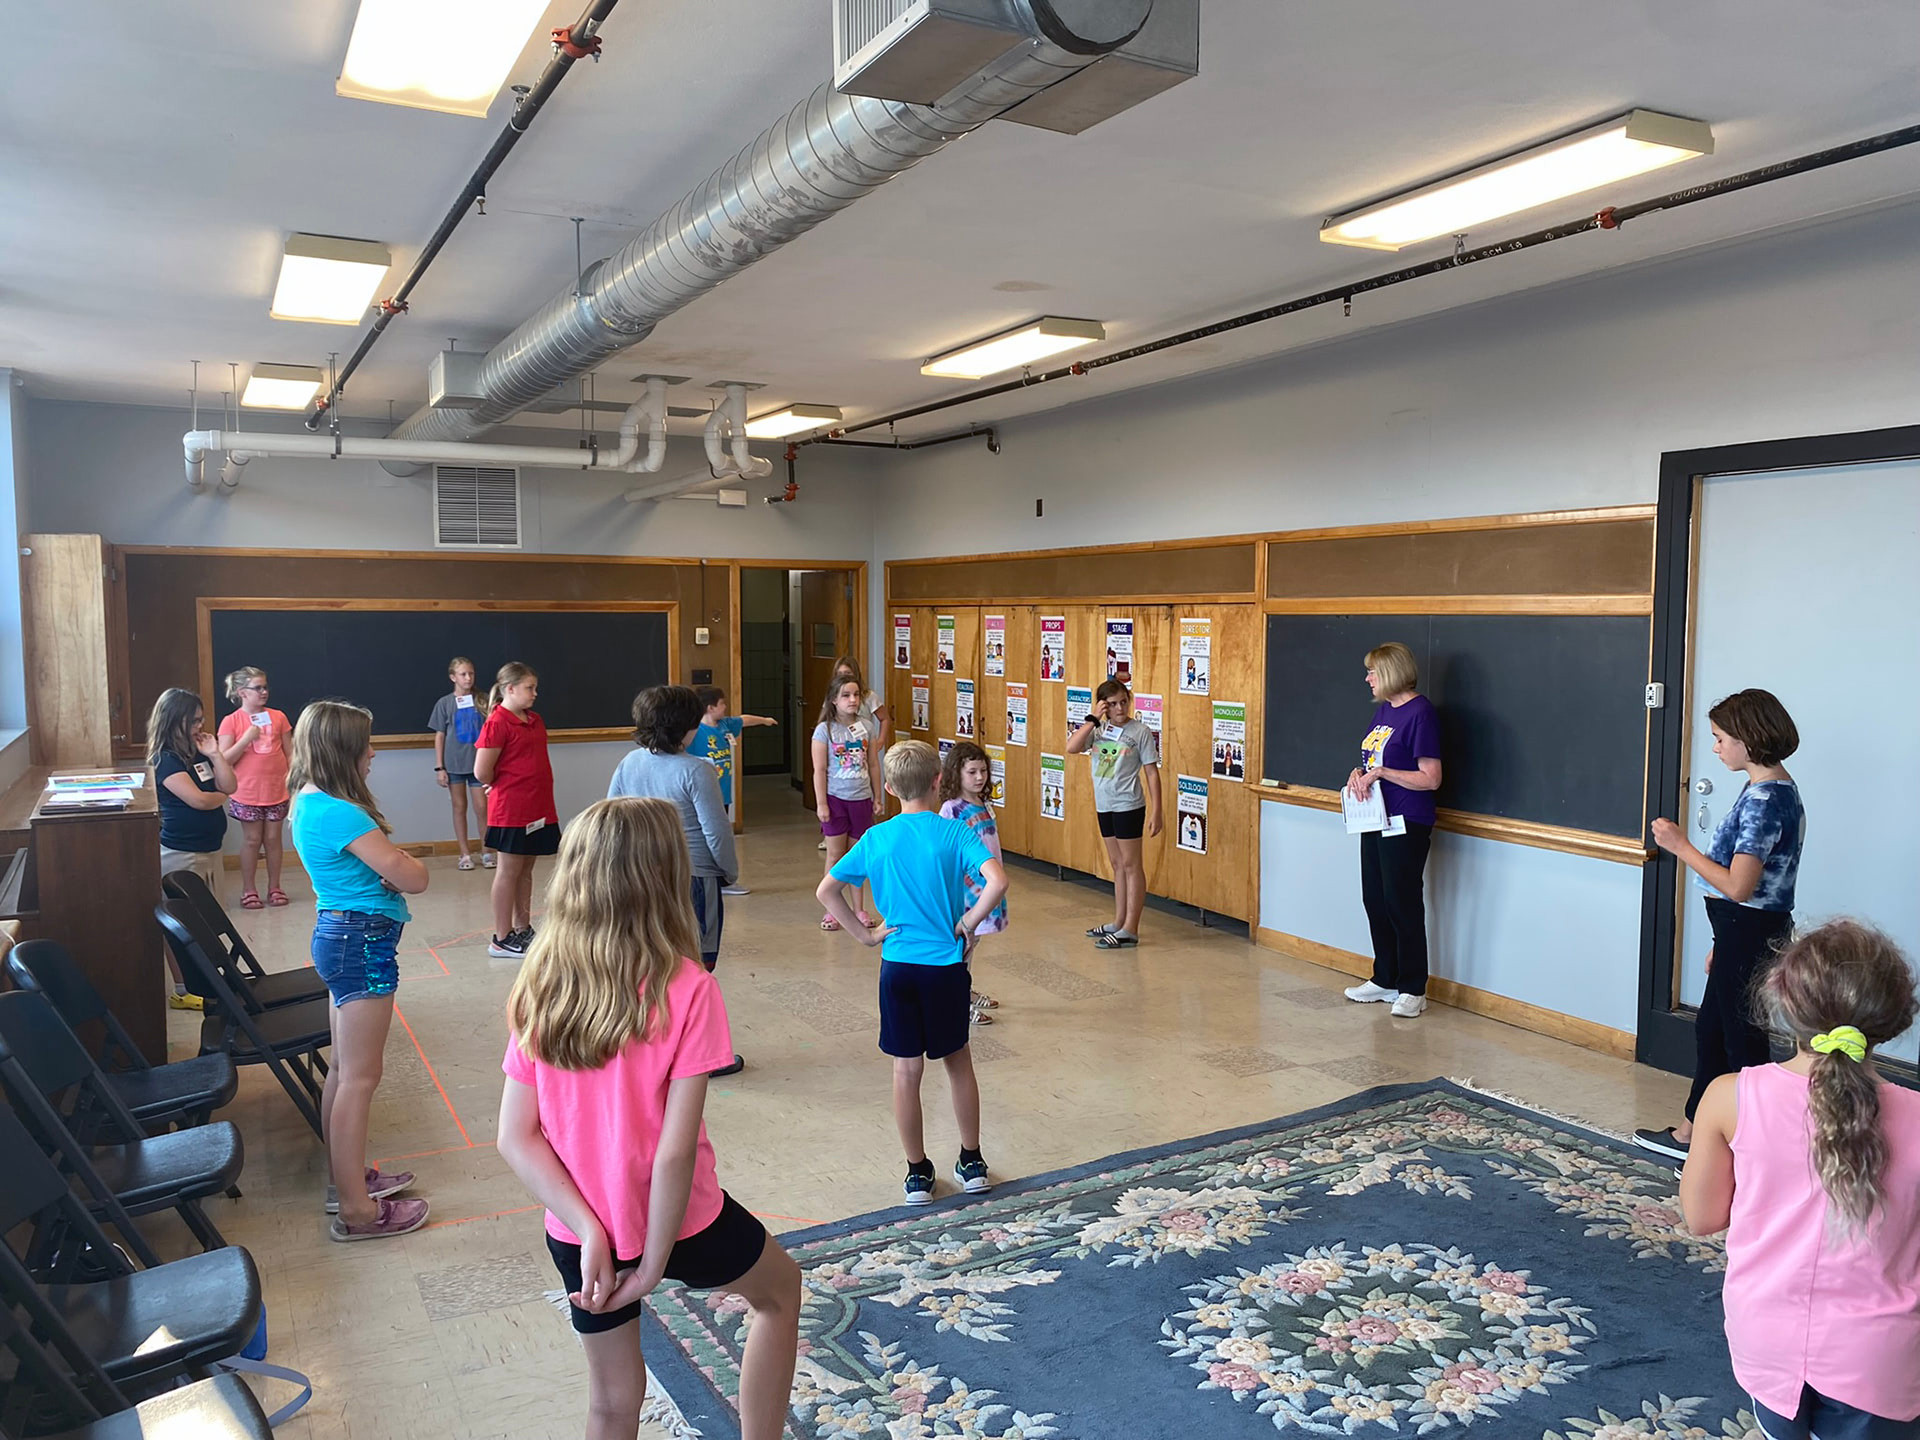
(261, 688)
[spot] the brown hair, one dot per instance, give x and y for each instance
(1844, 973)
(662, 716)
(1110, 688)
(1394, 667)
(170, 726)
(327, 745)
(710, 696)
(829, 708)
(956, 761)
(511, 673)
(847, 665)
(1760, 722)
(618, 925)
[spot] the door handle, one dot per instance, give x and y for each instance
(1702, 817)
(1703, 786)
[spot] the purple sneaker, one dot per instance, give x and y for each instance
(379, 1187)
(395, 1217)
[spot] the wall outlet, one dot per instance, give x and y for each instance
(1656, 695)
(701, 636)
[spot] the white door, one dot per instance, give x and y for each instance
(1808, 585)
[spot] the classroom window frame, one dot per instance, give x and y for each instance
(1664, 1036)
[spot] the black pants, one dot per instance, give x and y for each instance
(1727, 1034)
(1392, 879)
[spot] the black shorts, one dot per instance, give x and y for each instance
(924, 1009)
(1830, 1420)
(1123, 824)
(711, 1260)
(514, 840)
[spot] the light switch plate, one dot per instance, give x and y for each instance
(700, 635)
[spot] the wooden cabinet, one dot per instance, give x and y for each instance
(66, 595)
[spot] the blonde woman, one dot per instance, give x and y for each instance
(359, 876)
(1401, 755)
(615, 1025)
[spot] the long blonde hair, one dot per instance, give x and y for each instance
(619, 920)
(328, 743)
(1844, 973)
(170, 726)
(511, 673)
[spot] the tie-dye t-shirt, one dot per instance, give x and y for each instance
(1768, 821)
(979, 819)
(1402, 736)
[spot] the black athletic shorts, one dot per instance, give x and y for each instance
(1123, 824)
(514, 840)
(924, 1009)
(711, 1260)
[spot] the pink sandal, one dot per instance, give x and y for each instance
(866, 920)
(277, 898)
(251, 901)
(829, 924)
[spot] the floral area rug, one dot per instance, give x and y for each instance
(1409, 1261)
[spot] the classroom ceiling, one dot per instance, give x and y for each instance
(151, 168)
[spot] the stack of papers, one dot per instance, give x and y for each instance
(1369, 815)
(117, 780)
(91, 797)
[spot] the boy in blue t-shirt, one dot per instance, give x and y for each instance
(713, 743)
(918, 864)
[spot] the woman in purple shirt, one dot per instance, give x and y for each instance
(1401, 755)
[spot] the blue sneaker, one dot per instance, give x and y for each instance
(972, 1175)
(919, 1186)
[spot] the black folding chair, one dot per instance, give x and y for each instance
(287, 1040)
(134, 1333)
(270, 989)
(56, 1087)
(187, 1092)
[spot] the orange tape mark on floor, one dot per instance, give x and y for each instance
(490, 1215)
(424, 1154)
(433, 1076)
(796, 1219)
(438, 961)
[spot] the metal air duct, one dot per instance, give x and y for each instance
(826, 153)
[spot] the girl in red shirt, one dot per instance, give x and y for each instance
(523, 823)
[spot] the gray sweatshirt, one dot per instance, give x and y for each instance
(692, 784)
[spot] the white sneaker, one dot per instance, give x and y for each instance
(1408, 1006)
(735, 890)
(1368, 993)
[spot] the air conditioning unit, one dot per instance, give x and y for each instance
(476, 507)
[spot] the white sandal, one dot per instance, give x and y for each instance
(466, 862)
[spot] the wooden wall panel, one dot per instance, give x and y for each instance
(1602, 557)
(1046, 731)
(1169, 568)
(1152, 675)
(63, 592)
(1019, 818)
(1086, 666)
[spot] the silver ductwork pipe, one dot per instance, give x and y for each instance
(826, 153)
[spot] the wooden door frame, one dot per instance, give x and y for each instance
(1665, 1031)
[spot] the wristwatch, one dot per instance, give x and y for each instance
(439, 769)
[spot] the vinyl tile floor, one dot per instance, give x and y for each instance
(446, 1332)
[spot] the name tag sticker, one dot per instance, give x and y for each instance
(463, 702)
(203, 770)
(535, 826)
(260, 720)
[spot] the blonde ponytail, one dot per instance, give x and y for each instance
(511, 673)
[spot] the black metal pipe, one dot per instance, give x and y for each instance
(993, 441)
(579, 41)
(1608, 219)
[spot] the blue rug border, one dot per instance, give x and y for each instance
(704, 1408)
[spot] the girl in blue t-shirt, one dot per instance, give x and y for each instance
(1747, 873)
(966, 791)
(358, 876)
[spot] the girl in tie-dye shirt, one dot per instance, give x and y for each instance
(966, 783)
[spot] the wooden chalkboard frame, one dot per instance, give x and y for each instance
(207, 604)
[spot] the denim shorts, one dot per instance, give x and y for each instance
(354, 953)
(461, 777)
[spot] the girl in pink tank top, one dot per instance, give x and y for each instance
(1812, 1168)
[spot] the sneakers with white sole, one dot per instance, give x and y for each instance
(1368, 993)
(735, 890)
(1407, 1007)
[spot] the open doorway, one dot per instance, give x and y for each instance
(794, 623)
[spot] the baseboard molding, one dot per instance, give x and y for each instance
(420, 849)
(1585, 1033)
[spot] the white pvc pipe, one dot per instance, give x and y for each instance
(667, 489)
(745, 464)
(230, 470)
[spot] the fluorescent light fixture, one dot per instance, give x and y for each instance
(328, 279)
(779, 424)
(282, 387)
(448, 55)
(1633, 144)
(1045, 337)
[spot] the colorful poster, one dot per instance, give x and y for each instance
(1152, 710)
(996, 645)
(1016, 713)
(943, 627)
(997, 764)
(1120, 651)
(903, 642)
(1053, 787)
(1192, 808)
(1053, 648)
(945, 746)
(922, 703)
(1229, 741)
(1079, 706)
(963, 708)
(1196, 655)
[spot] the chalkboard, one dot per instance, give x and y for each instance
(1542, 717)
(591, 662)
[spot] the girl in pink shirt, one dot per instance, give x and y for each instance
(1812, 1167)
(614, 1028)
(253, 739)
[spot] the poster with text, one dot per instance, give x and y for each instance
(943, 627)
(1196, 655)
(1229, 740)
(997, 766)
(1120, 651)
(1152, 710)
(1079, 706)
(922, 703)
(963, 708)
(945, 746)
(1053, 648)
(1192, 813)
(903, 642)
(996, 645)
(1053, 787)
(1016, 713)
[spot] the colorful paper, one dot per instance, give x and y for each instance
(903, 642)
(922, 703)
(944, 634)
(963, 709)
(1016, 713)
(1053, 787)
(1191, 814)
(1053, 648)
(1196, 655)
(1120, 651)
(996, 645)
(1229, 740)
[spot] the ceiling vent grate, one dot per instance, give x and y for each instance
(476, 507)
(857, 22)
